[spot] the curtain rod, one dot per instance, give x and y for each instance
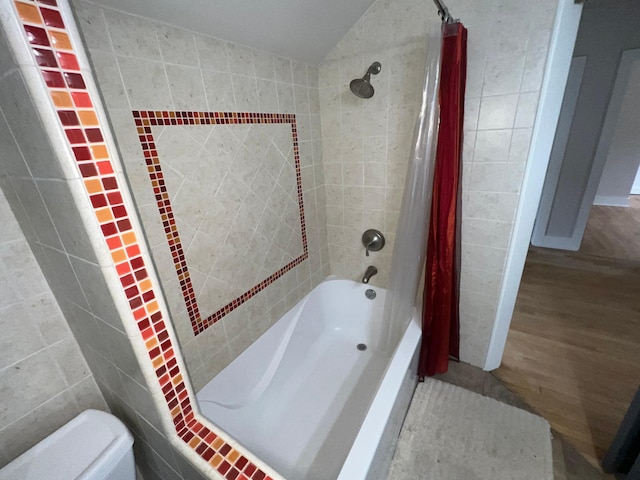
(443, 11)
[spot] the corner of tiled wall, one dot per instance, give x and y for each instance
(366, 143)
(199, 73)
(86, 253)
(45, 378)
(507, 54)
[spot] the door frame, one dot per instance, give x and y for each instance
(565, 32)
(539, 236)
(614, 109)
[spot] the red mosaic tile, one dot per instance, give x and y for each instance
(88, 170)
(114, 198)
(52, 18)
(53, 79)
(109, 229)
(123, 268)
(224, 467)
(37, 35)
(74, 80)
(119, 211)
(105, 168)
(75, 135)
(68, 118)
(68, 61)
(45, 58)
(94, 135)
(232, 474)
(82, 153)
(114, 243)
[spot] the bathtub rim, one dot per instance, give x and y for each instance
(363, 450)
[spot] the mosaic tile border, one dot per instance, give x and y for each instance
(144, 120)
(55, 54)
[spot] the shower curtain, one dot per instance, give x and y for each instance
(410, 243)
(440, 317)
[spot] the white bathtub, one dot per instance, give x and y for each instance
(305, 400)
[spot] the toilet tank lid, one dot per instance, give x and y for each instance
(87, 447)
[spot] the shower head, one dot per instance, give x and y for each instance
(362, 86)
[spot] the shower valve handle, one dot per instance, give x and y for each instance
(373, 241)
(366, 251)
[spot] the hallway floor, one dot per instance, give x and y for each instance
(573, 352)
(613, 232)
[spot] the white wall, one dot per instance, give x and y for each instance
(606, 30)
(624, 152)
(635, 189)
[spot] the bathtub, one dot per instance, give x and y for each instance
(307, 401)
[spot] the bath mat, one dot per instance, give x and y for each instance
(453, 434)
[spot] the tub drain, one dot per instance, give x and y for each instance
(362, 347)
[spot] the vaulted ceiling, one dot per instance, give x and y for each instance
(304, 30)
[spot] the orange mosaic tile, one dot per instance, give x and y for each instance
(93, 185)
(60, 40)
(62, 76)
(61, 99)
(29, 13)
(88, 118)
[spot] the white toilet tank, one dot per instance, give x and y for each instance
(93, 446)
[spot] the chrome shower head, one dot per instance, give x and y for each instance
(362, 86)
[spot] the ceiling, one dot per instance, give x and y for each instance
(304, 30)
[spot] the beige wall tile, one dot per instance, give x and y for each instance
(41, 365)
(505, 67)
(232, 188)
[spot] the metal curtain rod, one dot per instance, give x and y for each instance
(443, 11)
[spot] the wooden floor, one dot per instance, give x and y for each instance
(573, 352)
(614, 232)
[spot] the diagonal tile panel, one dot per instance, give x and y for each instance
(232, 260)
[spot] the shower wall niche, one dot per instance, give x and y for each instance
(245, 191)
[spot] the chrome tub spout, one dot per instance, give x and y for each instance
(371, 271)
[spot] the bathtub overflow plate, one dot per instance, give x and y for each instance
(370, 294)
(361, 346)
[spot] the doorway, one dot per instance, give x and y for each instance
(572, 348)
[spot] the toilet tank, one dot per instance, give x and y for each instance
(93, 446)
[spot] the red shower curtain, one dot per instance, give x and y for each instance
(440, 316)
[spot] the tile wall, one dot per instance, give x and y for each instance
(505, 72)
(44, 378)
(35, 186)
(366, 142)
(64, 187)
(252, 226)
(142, 65)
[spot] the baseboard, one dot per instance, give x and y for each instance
(611, 201)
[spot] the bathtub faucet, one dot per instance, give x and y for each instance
(371, 271)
